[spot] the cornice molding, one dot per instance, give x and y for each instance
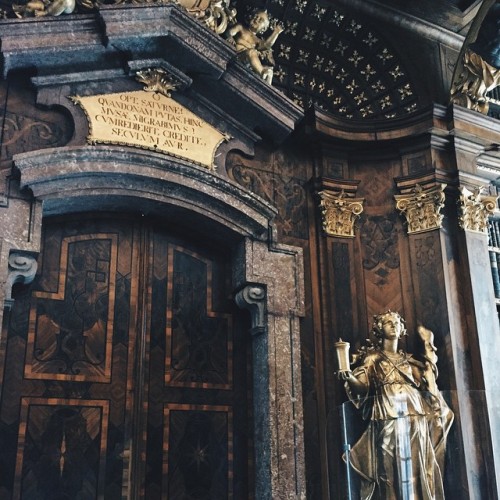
(430, 121)
(381, 11)
(118, 36)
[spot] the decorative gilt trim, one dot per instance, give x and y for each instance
(422, 207)
(253, 298)
(22, 269)
(475, 209)
(339, 213)
(174, 75)
(157, 80)
(217, 15)
(474, 82)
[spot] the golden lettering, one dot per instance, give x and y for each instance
(153, 121)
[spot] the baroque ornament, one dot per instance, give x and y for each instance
(409, 420)
(156, 80)
(422, 207)
(22, 269)
(217, 15)
(251, 47)
(475, 209)
(38, 8)
(476, 80)
(339, 213)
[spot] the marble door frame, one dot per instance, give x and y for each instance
(268, 277)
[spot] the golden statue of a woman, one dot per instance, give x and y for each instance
(400, 455)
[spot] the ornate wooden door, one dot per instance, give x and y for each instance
(125, 374)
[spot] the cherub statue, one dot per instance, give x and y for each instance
(401, 453)
(251, 48)
(37, 8)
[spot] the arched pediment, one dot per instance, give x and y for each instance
(83, 178)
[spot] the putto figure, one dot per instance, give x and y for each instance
(401, 453)
(251, 48)
(39, 8)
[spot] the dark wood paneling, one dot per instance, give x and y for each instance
(120, 370)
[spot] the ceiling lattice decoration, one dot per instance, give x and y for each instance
(330, 59)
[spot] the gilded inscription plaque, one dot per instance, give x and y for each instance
(150, 121)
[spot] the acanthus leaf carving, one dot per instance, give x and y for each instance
(339, 213)
(422, 208)
(475, 208)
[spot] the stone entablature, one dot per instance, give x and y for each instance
(147, 32)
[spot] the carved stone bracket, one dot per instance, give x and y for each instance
(253, 298)
(422, 207)
(475, 209)
(339, 213)
(22, 269)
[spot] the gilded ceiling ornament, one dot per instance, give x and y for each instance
(422, 208)
(476, 80)
(339, 213)
(385, 55)
(475, 209)
(156, 80)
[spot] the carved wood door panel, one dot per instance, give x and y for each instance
(120, 376)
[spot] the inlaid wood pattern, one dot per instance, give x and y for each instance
(199, 340)
(70, 335)
(61, 449)
(197, 452)
(120, 370)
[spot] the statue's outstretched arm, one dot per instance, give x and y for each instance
(430, 358)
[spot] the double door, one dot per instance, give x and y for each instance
(125, 370)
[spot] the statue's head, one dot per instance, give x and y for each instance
(259, 21)
(389, 324)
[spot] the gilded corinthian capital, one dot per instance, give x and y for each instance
(422, 207)
(475, 209)
(339, 213)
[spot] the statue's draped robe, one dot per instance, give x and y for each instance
(401, 454)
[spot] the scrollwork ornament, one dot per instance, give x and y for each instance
(40, 8)
(475, 209)
(339, 213)
(422, 208)
(476, 80)
(217, 16)
(22, 269)
(157, 80)
(253, 298)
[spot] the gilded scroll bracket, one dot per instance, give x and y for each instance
(253, 298)
(421, 207)
(475, 209)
